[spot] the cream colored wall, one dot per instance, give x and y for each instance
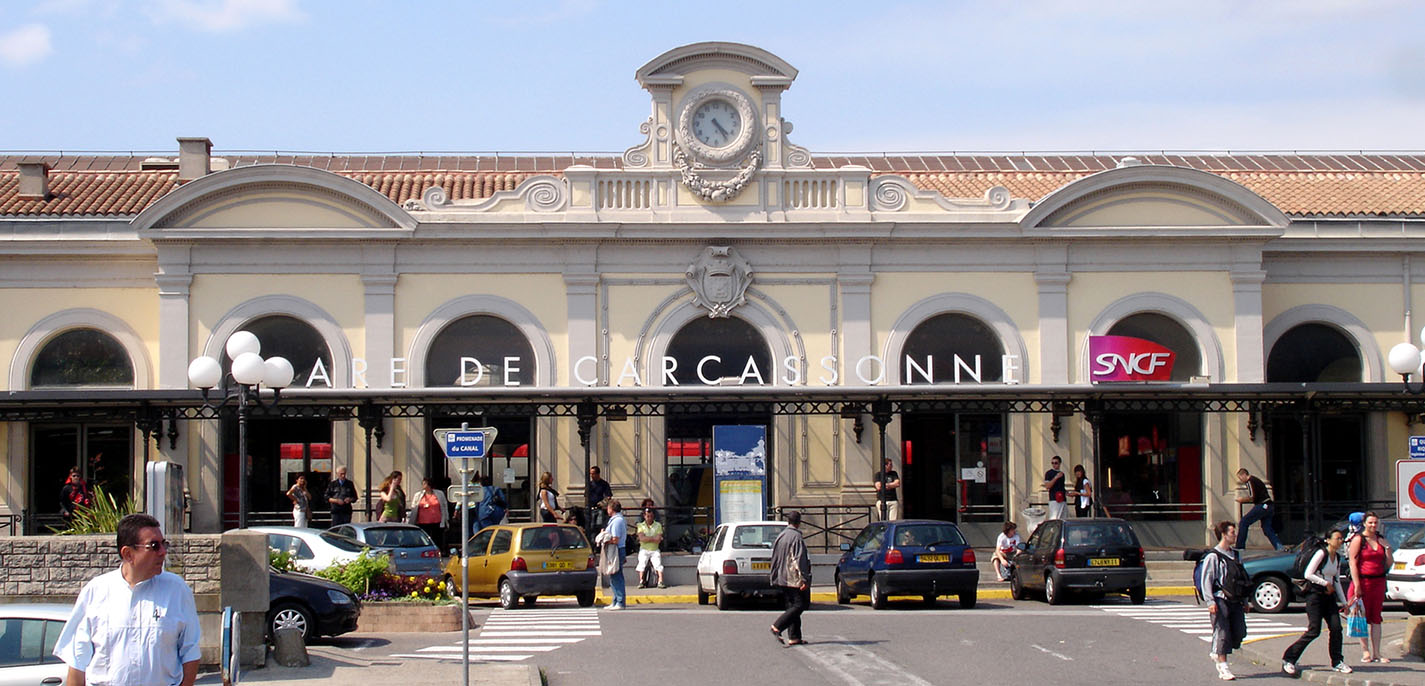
(1378, 305)
(1153, 208)
(418, 295)
(25, 307)
(1014, 293)
(1210, 293)
(286, 209)
(212, 296)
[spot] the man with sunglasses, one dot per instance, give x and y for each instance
(136, 625)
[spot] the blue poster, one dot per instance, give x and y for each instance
(740, 473)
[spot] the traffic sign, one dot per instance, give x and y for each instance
(469, 496)
(465, 443)
(1410, 489)
(1417, 447)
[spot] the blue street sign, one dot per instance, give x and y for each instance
(470, 444)
(1417, 447)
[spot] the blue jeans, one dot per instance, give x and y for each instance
(616, 583)
(1260, 513)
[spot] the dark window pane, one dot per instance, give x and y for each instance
(294, 339)
(934, 346)
(486, 339)
(1311, 353)
(732, 340)
(82, 357)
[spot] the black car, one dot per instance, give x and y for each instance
(1089, 555)
(314, 606)
(921, 557)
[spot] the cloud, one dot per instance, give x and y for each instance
(222, 16)
(25, 45)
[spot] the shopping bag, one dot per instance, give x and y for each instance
(1356, 626)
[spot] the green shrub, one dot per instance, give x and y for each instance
(100, 518)
(282, 560)
(360, 574)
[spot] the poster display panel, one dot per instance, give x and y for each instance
(740, 472)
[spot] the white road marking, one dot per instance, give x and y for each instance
(514, 635)
(854, 665)
(484, 658)
(1042, 649)
(1196, 621)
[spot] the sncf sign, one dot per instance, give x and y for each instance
(1120, 358)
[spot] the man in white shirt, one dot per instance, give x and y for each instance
(136, 625)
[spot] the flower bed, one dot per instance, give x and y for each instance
(401, 616)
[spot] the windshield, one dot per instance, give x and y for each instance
(756, 536)
(1100, 534)
(1415, 540)
(551, 538)
(928, 535)
(341, 542)
(398, 537)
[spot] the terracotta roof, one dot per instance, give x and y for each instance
(1303, 185)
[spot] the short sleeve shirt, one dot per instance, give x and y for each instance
(886, 478)
(646, 529)
(143, 634)
(1259, 490)
(1058, 487)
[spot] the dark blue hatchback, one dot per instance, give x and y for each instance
(923, 557)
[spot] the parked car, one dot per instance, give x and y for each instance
(1406, 579)
(28, 633)
(314, 549)
(1272, 587)
(921, 557)
(316, 607)
(411, 549)
(1090, 555)
(514, 561)
(738, 563)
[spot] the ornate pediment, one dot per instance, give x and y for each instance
(719, 280)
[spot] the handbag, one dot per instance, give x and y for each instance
(609, 562)
(1356, 626)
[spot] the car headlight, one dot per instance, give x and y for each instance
(338, 597)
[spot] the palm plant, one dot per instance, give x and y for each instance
(100, 518)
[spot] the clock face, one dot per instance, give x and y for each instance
(716, 123)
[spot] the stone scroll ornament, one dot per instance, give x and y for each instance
(719, 280)
(715, 191)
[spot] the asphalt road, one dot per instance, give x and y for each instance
(1104, 642)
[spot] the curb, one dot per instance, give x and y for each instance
(1319, 676)
(830, 596)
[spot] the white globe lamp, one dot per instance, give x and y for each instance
(249, 369)
(204, 372)
(1404, 359)
(278, 373)
(242, 342)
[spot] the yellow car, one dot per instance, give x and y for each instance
(513, 561)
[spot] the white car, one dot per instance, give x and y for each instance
(27, 637)
(314, 549)
(1406, 579)
(738, 562)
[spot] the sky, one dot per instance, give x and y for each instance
(557, 76)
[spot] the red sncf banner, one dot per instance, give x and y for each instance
(1121, 358)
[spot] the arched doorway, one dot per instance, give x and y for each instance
(1152, 461)
(725, 351)
(281, 449)
(486, 351)
(1320, 458)
(76, 359)
(944, 349)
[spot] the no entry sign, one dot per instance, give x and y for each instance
(1410, 489)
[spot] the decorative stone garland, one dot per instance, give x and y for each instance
(715, 191)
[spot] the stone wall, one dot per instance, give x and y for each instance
(55, 568)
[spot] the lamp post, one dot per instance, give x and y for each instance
(1405, 360)
(249, 370)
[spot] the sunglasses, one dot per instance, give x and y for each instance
(155, 545)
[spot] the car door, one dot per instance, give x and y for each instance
(1043, 552)
(497, 560)
(476, 567)
(864, 550)
(711, 559)
(26, 652)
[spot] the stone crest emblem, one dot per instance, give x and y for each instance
(719, 280)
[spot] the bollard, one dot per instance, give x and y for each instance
(1414, 641)
(289, 649)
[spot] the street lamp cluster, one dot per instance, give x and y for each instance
(1405, 359)
(249, 372)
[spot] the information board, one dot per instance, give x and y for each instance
(740, 473)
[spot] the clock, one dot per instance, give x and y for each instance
(717, 125)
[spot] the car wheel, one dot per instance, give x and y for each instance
(928, 599)
(1016, 586)
(1270, 595)
(529, 600)
(508, 598)
(1138, 594)
(1052, 594)
(843, 594)
(879, 597)
(450, 590)
(968, 600)
(1415, 608)
(585, 598)
(724, 599)
(289, 616)
(702, 595)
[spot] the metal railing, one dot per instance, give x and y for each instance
(826, 527)
(11, 523)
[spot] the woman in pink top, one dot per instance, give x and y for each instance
(1370, 558)
(430, 512)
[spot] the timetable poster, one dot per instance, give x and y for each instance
(740, 472)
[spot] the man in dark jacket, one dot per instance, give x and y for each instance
(341, 493)
(791, 571)
(596, 492)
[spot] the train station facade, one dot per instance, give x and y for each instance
(942, 310)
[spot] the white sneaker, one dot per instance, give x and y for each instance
(1343, 668)
(615, 606)
(1224, 673)
(1290, 669)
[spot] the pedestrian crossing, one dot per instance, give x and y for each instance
(515, 635)
(1194, 620)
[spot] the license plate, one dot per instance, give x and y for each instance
(932, 558)
(1103, 562)
(761, 565)
(1399, 566)
(559, 564)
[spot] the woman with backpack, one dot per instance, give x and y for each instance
(1324, 602)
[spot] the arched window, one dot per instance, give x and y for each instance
(950, 347)
(743, 354)
(285, 336)
(82, 357)
(1313, 353)
(1167, 332)
(497, 346)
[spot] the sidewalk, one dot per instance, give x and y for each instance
(826, 593)
(338, 667)
(1315, 667)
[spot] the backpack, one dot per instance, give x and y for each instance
(1304, 553)
(1236, 585)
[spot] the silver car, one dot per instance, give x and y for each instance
(27, 637)
(411, 549)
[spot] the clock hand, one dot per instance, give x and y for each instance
(719, 128)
